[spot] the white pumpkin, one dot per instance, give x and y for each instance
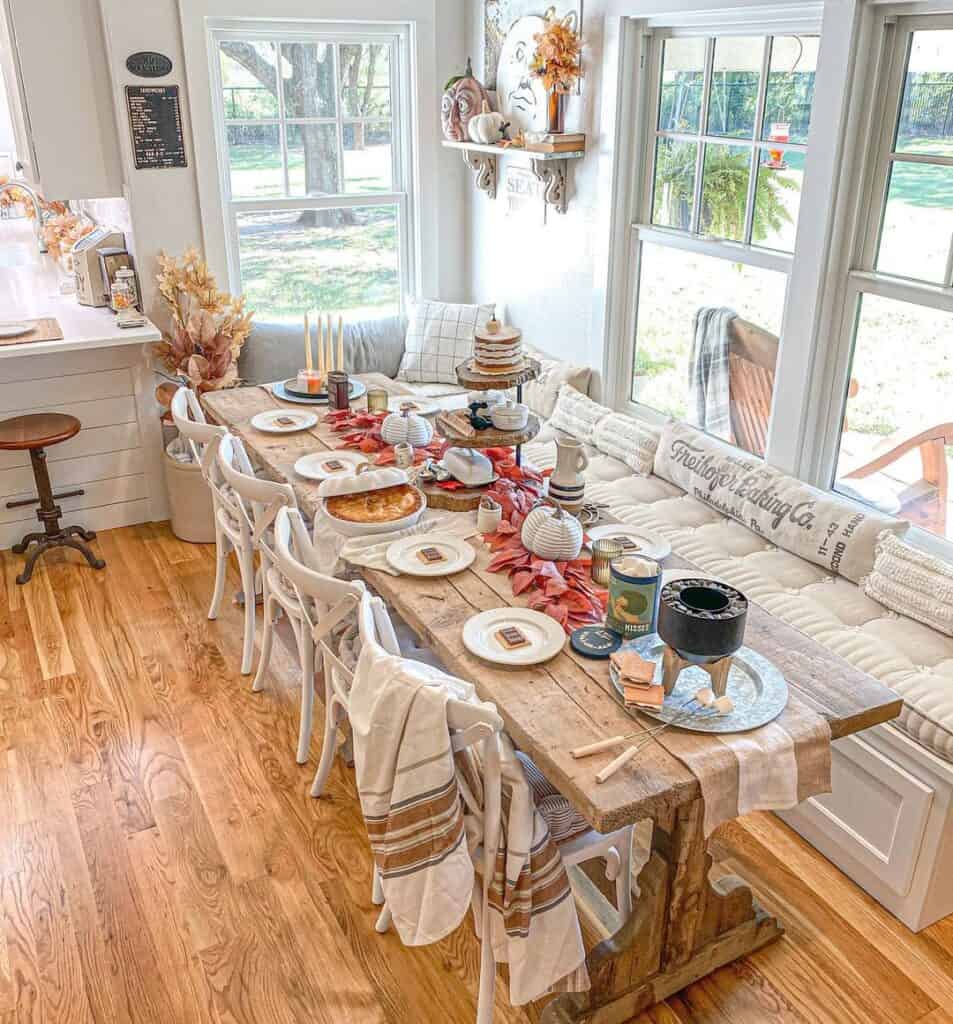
(407, 426)
(553, 534)
(486, 128)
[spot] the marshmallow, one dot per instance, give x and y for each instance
(724, 705)
(705, 696)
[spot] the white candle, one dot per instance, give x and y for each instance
(307, 343)
(329, 352)
(320, 343)
(340, 362)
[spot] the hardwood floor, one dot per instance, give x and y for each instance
(161, 860)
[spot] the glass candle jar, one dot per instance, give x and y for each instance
(377, 400)
(122, 294)
(603, 551)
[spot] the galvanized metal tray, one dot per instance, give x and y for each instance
(757, 689)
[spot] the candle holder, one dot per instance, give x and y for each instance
(377, 399)
(603, 552)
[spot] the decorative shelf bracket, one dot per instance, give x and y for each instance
(552, 175)
(483, 166)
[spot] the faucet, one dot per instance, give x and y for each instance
(22, 186)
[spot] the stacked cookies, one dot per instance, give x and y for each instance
(497, 348)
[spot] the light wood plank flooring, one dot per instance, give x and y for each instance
(161, 860)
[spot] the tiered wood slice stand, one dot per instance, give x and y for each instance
(468, 498)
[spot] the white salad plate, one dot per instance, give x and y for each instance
(272, 422)
(421, 406)
(546, 637)
(315, 466)
(14, 328)
(651, 545)
(404, 554)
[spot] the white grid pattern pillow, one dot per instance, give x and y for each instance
(439, 338)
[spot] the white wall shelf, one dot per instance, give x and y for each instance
(550, 168)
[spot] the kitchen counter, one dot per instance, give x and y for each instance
(98, 372)
(29, 288)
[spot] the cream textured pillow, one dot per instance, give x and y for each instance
(439, 338)
(628, 440)
(912, 583)
(576, 414)
(817, 526)
(540, 394)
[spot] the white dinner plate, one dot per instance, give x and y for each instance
(421, 406)
(315, 466)
(273, 421)
(546, 637)
(14, 328)
(651, 545)
(404, 554)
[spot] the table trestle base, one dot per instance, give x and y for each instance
(683, 927)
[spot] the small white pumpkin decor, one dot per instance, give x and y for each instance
(407, 426)
(551, 533)
(486, 128)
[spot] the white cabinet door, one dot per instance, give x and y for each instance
(59, 58)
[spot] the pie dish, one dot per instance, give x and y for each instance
(385, 505)
(372, 500)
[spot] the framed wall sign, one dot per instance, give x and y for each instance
(155, 120)
(148, 64)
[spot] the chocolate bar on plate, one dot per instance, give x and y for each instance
(511, 637)
(431, 555)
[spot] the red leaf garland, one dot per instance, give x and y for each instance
(562, 590)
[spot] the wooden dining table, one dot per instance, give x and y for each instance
(684, 924)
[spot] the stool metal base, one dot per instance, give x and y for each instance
(53, 535)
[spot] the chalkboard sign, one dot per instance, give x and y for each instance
(155, 120)
(148, 64)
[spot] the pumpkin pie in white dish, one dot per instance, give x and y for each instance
(374, 500)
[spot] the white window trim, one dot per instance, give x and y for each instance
(402, 162)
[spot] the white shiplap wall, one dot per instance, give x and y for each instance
(116, 456)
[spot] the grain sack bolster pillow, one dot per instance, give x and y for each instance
(628, 440)
(576, 414)
(912, 583)
(817, 526)
(439, 338)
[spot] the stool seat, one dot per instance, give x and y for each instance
(33, 433)
(37, 430)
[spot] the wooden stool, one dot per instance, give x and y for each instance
(33, 433)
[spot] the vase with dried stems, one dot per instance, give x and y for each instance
(558, 64)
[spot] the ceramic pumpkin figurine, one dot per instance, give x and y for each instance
(463, 99)
(487, 127)
(407, 426)
(551, 533)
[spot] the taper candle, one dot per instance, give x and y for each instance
(340, 360)
(307, 343)
(320, 342)
(329, 341)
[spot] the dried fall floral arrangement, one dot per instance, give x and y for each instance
(209, 327)
(62, 231)
(558, 58)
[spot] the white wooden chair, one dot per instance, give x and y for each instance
(471, 725)
(314, 604)
(246, 514)
(203, 438)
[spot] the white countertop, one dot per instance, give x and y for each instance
(29, 288)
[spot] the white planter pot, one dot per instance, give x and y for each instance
(190, 502)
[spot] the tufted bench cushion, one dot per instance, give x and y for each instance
(913, 659)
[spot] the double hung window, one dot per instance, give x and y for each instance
(895, 425)
(715, 225)
(316, 170)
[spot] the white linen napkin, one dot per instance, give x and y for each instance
(333, 549)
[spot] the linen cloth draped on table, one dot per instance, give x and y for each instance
(410, 792)
(771, 768)
(708, 377)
